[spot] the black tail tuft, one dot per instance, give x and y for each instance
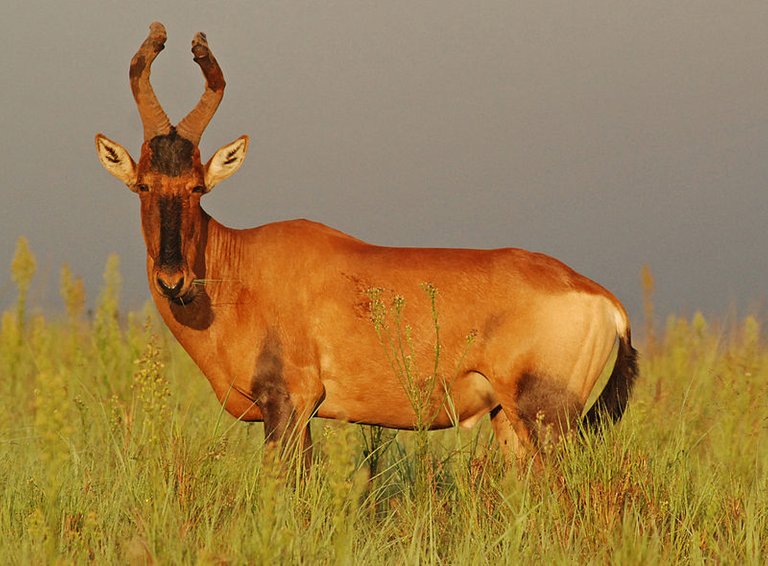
(615, 395)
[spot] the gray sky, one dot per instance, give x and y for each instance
(606, 133)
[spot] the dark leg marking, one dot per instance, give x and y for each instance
(270, 390)
(284, 425)
(547, 407)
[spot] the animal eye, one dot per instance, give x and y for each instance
(142, 188)
(198, 189)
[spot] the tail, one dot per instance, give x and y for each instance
(614, 398)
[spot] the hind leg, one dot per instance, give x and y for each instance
(547, 408)
(535, 412)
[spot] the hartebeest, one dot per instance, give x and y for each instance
(279, 318)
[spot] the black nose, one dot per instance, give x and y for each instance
(169, 287)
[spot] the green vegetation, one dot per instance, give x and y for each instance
(113, 449)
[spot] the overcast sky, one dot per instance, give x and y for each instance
(606, 133)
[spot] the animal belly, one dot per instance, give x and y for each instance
(470, 397)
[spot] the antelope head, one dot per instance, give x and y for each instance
(169, 177)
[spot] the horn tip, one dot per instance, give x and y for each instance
(200, 45)
(157, 27)
(157, 35)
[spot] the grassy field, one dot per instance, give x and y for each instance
(113, 449)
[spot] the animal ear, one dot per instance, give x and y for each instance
(116, 160)
(225, 162)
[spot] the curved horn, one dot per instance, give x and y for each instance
(153, 117)
(194, 123)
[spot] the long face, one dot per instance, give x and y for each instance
(170, 181)
(170, 178)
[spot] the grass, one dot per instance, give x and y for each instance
(113, 449)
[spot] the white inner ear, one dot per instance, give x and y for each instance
(225, 162)
(116, 160)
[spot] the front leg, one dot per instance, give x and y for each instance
(287, 399)
(286, 426)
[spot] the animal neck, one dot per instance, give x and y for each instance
(222, 306)
(223, 252)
